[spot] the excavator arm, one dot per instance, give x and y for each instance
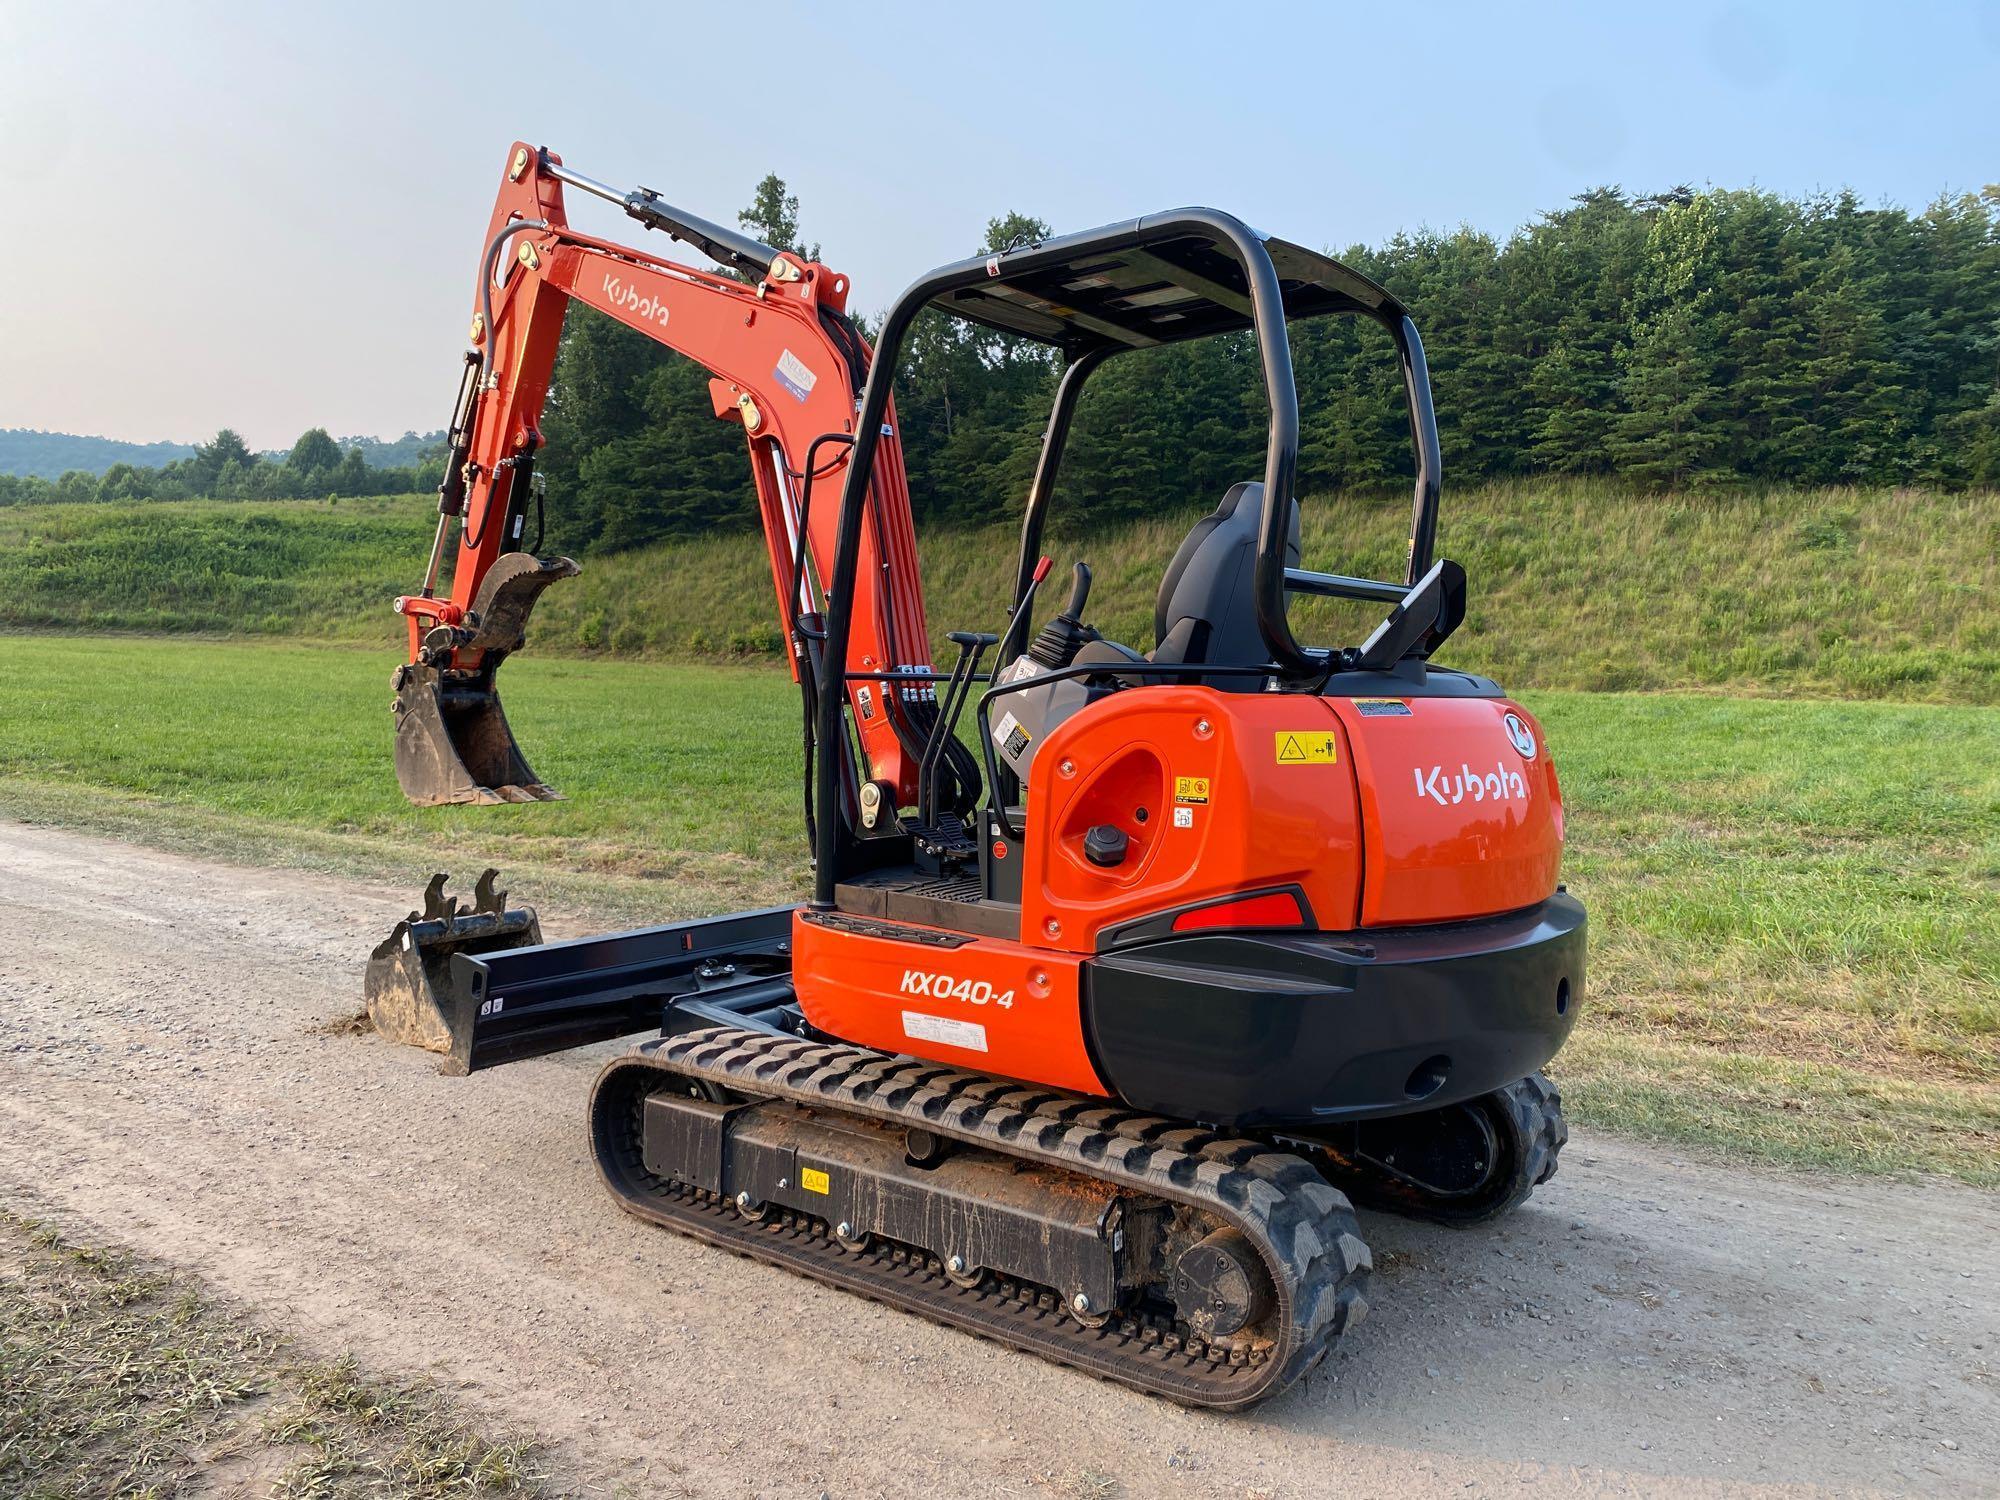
(785, 364)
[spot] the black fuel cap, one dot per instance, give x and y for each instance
(1105, 845)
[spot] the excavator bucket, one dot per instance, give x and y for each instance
(408, 980)
(453, 743)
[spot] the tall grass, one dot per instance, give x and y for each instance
(1574, 585)
(323, 569)
(1838, 592)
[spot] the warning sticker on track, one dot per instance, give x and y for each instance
(813, 1180)
(1302, 747)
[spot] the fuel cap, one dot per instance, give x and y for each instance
(1105, 845)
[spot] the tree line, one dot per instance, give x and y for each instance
(225, 468)
(1680, 340)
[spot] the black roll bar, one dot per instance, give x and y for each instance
(1424, 434)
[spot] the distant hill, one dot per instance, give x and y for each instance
(50, 455)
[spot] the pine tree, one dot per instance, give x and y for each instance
(772, 215)
(1574, 274)
(211, 458)
(1669, 361)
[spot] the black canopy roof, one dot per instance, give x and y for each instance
(1157, 280)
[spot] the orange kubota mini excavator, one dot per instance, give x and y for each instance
(1086, 1039)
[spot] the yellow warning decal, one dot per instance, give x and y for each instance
(813, 1180)
(1191, 789)
(1303, 747)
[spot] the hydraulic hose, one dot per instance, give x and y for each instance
(486, 264)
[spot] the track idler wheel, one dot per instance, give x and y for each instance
(1463, 1164)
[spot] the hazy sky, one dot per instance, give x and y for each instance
(266, 216)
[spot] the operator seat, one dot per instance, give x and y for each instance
(1207, 605)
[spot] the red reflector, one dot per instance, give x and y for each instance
(1272, 909)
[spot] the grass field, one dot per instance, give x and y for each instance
(1859, 594)
(1796, 904)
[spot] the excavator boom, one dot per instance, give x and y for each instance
(786, 364)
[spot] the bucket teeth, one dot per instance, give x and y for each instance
(484, 897)
(414, 995)
(436, 908)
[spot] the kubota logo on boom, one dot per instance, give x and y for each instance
(944, 987)
(628, 298)
(1446, 788)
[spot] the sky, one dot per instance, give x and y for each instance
(266, 216)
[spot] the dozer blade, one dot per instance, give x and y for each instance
(408, 980)
(453, 743)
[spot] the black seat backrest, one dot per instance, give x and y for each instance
(1207, 607)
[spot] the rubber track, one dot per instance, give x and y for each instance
(1533, 1111)
(1538, 1111)
(1303, 1227)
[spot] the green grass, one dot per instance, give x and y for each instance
(122, 1379)
(1867, 594)
(1796, 905)
(321, 568)
(683, 780)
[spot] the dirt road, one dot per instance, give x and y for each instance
(1648, 1324)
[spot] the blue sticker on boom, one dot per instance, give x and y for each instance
(794, 376)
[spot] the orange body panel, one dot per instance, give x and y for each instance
(1378, 811)
(988, 1005)
(1192, 776)
(1460, 820)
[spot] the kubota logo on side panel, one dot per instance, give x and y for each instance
(1447, 788)
(1519, 735)
(628, 298)
(944, 987)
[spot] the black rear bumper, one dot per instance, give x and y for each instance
(1276, 1028)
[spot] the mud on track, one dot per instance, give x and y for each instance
(1648, 1324)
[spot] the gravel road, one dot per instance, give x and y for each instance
(1649, 1324)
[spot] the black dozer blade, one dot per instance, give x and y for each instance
(452, 739)
(408, 980)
